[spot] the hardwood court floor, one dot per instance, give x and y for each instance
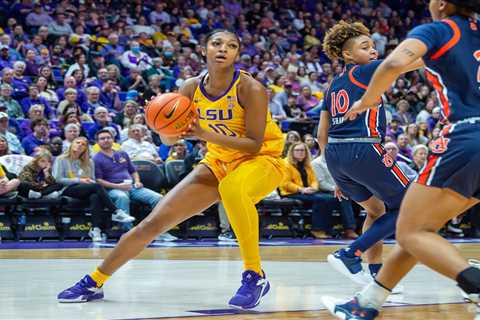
(194, 283)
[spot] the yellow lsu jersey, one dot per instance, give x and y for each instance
(224, 115)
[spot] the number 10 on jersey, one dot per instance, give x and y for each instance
(340, 102)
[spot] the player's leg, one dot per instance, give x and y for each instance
(375, 209)
(200, 188)
(240, 190)
(424, 211)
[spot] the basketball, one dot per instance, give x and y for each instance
(169, 114)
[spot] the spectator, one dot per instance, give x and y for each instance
(414, 136)
(435, 118)
(70, 82)
(36, 178)
(115, 172)
(178, 151)
(392, 150)
(38, 17)
(277, 111)
(326, 184)
(291, 138)
(311, 144)
(80, 64)
(46, 92)
(46, 72)
(14, 109)
(76, 171)
(135, 58)
(38, 137)
(394, 129)
(125, 118)
(93, 100)
(4, 149)
(113, 50)
(420, 155)
(402, 112)
(139, 149)
(102, 120)
(35, 112)
(405, 152)
(7, 76)
(7, 185)
(159, 15)
(301, 183)
(19, 83)
(35, 98)
(71, 132)
(294, 110)
(153, 88)
(56, 146)
(70, 95)
(32, 66)
(109, 96)
(6, 60)
(13, 142)
(426, 113)
(59, 27)
(135, 81)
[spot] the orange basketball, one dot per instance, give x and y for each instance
(169, 114)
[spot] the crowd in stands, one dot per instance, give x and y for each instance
(73, 69)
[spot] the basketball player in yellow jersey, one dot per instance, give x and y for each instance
(241, 167)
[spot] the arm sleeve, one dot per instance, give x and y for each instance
(433, 35)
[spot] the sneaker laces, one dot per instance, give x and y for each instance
(249, 282)
(83, 284)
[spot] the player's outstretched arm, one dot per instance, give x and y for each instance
(406, 57)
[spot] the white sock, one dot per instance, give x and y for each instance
(373, 296)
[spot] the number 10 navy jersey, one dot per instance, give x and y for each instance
(340, 97)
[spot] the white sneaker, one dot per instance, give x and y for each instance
(34, 194)
(122, 216)
(95, 234)
(53, 195)
(166, 237)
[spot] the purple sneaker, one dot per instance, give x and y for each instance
(250, 294)
(83, 291)
(350, 310)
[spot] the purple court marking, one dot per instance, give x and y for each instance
(223, 312)
(11, 245)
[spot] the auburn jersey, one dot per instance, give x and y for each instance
(453, 64)
(225, 115)
(344, 90)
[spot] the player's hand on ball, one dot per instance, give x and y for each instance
(193, 130)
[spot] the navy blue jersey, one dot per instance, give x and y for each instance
(340, 97)
(453, 64)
